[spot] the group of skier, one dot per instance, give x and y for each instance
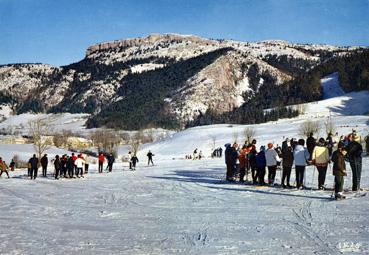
(319, 153)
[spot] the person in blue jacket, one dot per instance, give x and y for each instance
(301, 156)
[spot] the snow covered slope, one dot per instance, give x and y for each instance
(331, 86)
(184, 206)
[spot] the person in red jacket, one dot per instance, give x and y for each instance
(74, 158)
(242, 160)
(101, 162)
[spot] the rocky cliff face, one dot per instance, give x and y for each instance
(112, 72)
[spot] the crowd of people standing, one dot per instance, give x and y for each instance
(300, 153)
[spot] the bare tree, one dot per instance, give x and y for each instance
(39, 129)
(249, 134)
(135, 142)
(330, 127)
(309, 127)
(235, 136)
(105, 140)
(213, 140)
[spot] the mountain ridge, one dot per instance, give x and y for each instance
(234, 73)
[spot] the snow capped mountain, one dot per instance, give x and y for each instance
(198, 74)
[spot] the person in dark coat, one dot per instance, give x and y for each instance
(287, 162)
(111, 161)
(149, 156)
(134, 160)
(12, 165)
(310, 144)
(231, 162)
(70, 167)
(57, 166)
(330, 144)
(339, 170)
(354, 151)
(254, 169)
(261, 164)
(228, 161)
(44, 161)
(64, 168)
(34, 166)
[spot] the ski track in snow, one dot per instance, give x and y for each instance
(177, 207)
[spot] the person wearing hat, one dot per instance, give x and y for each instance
(272, 159)
(320, 159)
(354, 151)
(339, 170)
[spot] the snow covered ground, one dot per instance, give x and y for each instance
(184, 206)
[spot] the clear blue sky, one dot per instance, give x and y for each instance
(58, 32)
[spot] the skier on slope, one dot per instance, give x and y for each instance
(149, 156)
(339, 170)
(134, 160)
(111, 160)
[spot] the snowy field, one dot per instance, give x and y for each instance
(177, 207)
(184, 206)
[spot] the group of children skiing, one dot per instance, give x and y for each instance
(319, 153)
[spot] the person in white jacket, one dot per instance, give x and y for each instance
(80, 162)
(301, 156)
(272, 159)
